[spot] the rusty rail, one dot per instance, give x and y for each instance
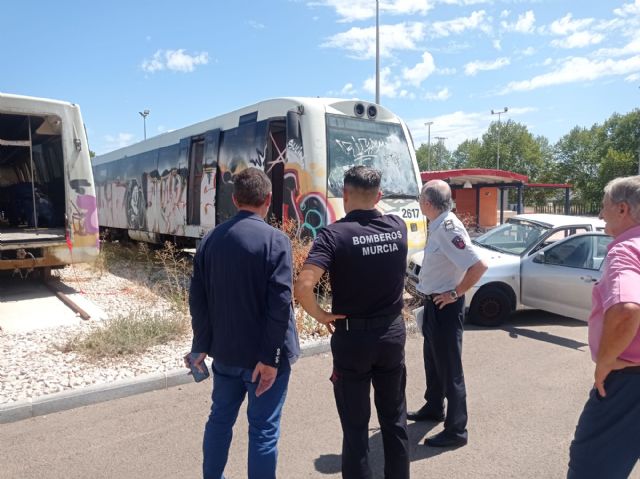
(66, 300)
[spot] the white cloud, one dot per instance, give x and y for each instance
(496, 44)
(256, 25)
(566, 25)
(628, 9)
(440, 95)
(634, 77)
(446, 71)
(471, 68)
(458, 126)
(578, 40)
(175, 60)
(464, 2)
(421, 71)
(476, 21)
(120, 140)
(504, 13)
(577, 69)
(631, 48)
(361, 42)
(390, 88)
(524, 24)
(358, 10)
(348, 90)
(528, 51)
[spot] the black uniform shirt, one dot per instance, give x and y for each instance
(366, 256)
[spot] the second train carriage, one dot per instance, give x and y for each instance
(178, 185)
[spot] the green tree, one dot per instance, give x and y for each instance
(467, 153)
(440, 157)
(519, 150)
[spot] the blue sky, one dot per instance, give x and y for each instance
(554, 63)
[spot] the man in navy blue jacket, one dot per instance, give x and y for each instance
(242, 316)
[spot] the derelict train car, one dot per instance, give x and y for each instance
(47, 200)
(178, 185)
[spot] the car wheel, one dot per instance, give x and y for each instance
(489, 307)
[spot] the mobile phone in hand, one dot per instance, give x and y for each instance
(197, 375)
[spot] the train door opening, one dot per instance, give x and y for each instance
(32, 186)
(276, 158)
(196, 168)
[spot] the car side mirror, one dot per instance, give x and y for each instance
(539, 257)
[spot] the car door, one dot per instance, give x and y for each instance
(560, 277)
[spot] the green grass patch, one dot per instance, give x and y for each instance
(129, 334)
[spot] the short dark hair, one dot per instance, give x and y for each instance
(363, 178)
(251, 187)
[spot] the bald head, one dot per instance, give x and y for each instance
(438, 193)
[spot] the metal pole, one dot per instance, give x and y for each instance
(504, 110)
(428, 125)
(33, 178)
(377, 52)
(440, 141)
(144, 114)
(498, 159)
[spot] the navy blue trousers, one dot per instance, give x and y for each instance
(362, 358)
(607, 439)
(442, 330)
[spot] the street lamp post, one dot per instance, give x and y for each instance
(440, 141)
(377, 52)
(499, 113)
(428, 125)
(144, 114)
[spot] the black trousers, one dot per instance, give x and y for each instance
(360, 358)
(442, 330)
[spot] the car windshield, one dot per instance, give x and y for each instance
(514, 237)
(356, 141)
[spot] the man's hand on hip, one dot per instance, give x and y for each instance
(267, 377)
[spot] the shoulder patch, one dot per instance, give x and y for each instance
(448, 225)
(458, 242)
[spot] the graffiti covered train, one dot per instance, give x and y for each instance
(178, 185)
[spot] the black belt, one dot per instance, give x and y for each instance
(431, 297)
(351, 324)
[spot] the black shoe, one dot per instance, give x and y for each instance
(445, 439)
(425, 413)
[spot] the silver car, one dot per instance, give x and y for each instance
(505, 249)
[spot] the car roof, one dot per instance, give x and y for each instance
(559, 220)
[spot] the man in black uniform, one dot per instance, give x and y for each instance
(365, 254)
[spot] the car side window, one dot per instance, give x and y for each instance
(558, 234)
(576, 252)
(600, 250)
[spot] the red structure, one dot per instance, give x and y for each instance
(479, 192)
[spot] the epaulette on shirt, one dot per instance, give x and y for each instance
(448, 225)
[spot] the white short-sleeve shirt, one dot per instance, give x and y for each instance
(447, 255)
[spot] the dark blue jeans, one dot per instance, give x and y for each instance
(607, 438)
(230, 385)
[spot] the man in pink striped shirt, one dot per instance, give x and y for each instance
(607, 438)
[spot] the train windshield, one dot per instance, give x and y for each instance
(355, 141)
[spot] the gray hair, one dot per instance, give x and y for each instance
(438, 193)
(625, 190)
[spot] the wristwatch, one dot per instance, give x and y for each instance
(453, 294)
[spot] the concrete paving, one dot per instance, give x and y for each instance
(28, 305)
(527, 383)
